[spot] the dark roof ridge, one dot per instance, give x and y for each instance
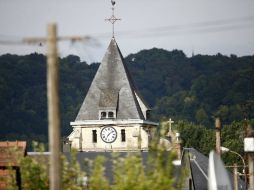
(133, 87)
(131, 80)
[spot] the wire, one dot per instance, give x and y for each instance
(207, 23)
(212, 26)
(9, 42)
(193, 28)
(195, 31)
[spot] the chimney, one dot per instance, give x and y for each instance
(218, 135)
(178, 146)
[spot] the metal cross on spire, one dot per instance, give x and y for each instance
(113, 19)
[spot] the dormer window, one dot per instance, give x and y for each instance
(103, 115)
(110, 114)
(107, 114)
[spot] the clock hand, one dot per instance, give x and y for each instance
(109, 134)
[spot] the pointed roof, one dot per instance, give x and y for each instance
(112, 88)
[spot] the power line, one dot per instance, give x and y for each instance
(212, 23)
(41, 40)
(195, 28)
(195, 31)
(199, 27)
(192, 28)
(11, 42)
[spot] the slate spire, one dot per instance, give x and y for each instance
(112, 89)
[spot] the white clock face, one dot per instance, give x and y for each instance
(108, 134)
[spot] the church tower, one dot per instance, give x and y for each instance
(113, 116)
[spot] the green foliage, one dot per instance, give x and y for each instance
(160, 169)
(23, 99)
(201, 116)
(204, 83)
(203, 139)
(97, 180)
(188, 89)
(130, 171)
(194, 89)
(10, 180)
(196, 136)
(72, 175)
(34, 170)
(34, 174)
(232, 138)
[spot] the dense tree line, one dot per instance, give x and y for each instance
(203, 138)
(195, 89)
(192, 89)
(23, 96)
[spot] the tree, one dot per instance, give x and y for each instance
(171, 83)
(201, 116)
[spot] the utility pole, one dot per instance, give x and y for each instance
(250, 143)
(235, 177)
(218, 135)
(251, 171)
(249, 149)
(53, 109)
(246, 169)
(53, 97)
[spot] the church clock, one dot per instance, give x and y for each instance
(108, 134)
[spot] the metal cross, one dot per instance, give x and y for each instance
(170, 121)
(112, 20)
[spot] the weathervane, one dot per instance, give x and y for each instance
(113, 19)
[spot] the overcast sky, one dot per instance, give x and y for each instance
(199, 26)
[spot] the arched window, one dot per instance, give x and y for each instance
(94, 136)
(123, 137)
(110, 114)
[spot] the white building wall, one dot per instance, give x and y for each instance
(136, 138)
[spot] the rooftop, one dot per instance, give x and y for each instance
(112, 89)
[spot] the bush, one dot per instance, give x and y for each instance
(129, 172)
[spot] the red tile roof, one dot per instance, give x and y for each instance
(10, 152)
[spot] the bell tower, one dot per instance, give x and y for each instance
(113, 116)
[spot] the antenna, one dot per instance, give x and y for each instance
(113, 19)
(192, 52)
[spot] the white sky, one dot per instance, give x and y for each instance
(202, 26)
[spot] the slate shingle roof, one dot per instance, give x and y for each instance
(199, 170)
(112, 87)
(197, 162)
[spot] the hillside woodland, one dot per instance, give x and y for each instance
(192, 90)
